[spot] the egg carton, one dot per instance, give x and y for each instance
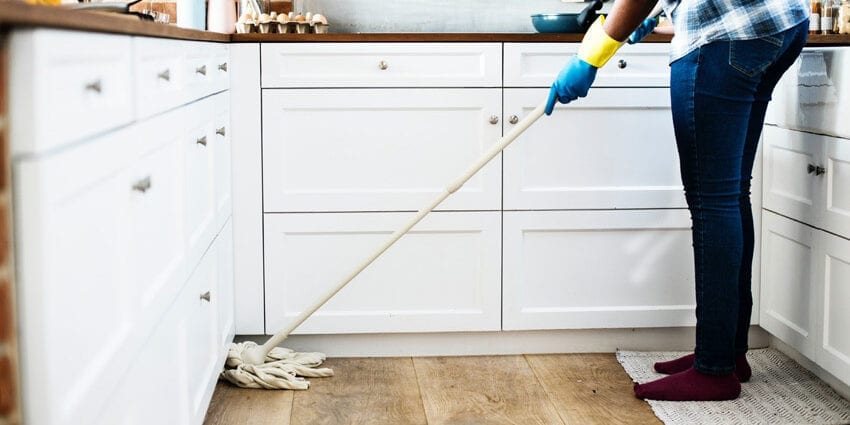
(282, 24)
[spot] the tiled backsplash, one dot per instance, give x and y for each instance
(352, 16)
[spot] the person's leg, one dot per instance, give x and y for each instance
(712, 93)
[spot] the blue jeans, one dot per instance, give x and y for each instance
(719, 94)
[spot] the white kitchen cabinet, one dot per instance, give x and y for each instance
(537, 64)
(442, 276)
(378, 149)
(789, 294)
(226, 289)
(834, 278)
(74, 83)
(310, 65)
(201, 334)
(597, 269)
(220, 141)
(806, 178)
(614, 149)
(198, 138)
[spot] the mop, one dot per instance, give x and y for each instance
(268, 366)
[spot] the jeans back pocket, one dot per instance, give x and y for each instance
(752, 57)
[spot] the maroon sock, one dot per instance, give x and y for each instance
(691, 385)
(742, 367)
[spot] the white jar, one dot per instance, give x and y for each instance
(222, 16)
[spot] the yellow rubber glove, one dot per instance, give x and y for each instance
(578, 74)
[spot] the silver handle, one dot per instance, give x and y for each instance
(202, 141)
(201, 70)
(95, 86)
(494, 119)
(142, 185)
(810, 168)
(513, 119)
(206, 296)
(220, 131)
(222, 67)
(622, 64)
(819, 171)
(383, 65)
(164, 75)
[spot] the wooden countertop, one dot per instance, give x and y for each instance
(19, 14)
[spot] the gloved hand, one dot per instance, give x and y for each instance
(578, 74)
(644, 29)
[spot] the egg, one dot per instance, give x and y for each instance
(300, 18)
(282, 19)
(319, 19)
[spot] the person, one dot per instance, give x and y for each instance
(726, 58)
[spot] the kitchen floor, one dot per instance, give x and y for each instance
(524, 389)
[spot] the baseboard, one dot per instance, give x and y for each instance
(501, 343)
(832, 381)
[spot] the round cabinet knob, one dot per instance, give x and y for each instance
(513, 119)
(164, 75)
(622, 64)
(95, 86)
(494, 119)
(206, 296)
(383, 65)
(142, 185)
(221, 131)
(201, 70)
(222, 67)
(202, 141)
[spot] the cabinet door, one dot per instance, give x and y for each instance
(226, 288)
(614, 149)
(221, 137)
(199, 193)
(790, 185)
(203, 346)
(597, 269)
(442, 276)
(834, 276)
(789, 289)
(836, 186)
(378, 150)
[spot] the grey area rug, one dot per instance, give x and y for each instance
(780, 392)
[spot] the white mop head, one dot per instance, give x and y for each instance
(284, 369)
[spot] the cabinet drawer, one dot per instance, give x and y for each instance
(377, 150)
(381, 65)
(442, 276)
(160, 75)
(597, 269)
(789, 187)
(537, 65)
(614, 149)
(812, 95)
(67, 86)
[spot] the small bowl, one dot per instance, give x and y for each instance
(556, 23)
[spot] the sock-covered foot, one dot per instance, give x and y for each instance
(742, 367)
(691, 385)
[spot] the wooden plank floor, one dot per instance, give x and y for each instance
(530, 389)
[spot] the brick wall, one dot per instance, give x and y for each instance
(9, 401)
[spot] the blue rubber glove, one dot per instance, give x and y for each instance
(644, 29)
(572, 82)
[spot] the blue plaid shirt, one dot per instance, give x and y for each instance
(699, 22)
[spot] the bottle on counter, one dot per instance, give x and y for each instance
(192, 14)
(826, 17)
(814, 20)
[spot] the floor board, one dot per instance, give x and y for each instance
(590, 389)
(231, 405)
(362, 391)
(482, 390)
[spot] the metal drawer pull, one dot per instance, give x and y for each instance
(494, 119)
(622, 64)
(513, 119)
(142, 185)
(220, 131)
(95, 86)
(815, 169)
(164, 75)
(206, 296)
(383, 65)
(201, 70)
(222, 67)
(202, 141)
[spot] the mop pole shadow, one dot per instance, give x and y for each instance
(268, 366)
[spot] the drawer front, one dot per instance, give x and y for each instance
(160, 75)
(442, 276)
(74, 84)
(381, 65)
(219, 65)
(377, 150)
(597, 269)
(221, 147)
(537, 65)
(812, 95)
(790, 188)
(199, 214)
(203, 76)
(614, 149)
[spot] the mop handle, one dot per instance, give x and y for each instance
(452, 188)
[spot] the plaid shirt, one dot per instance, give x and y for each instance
(699, 22)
